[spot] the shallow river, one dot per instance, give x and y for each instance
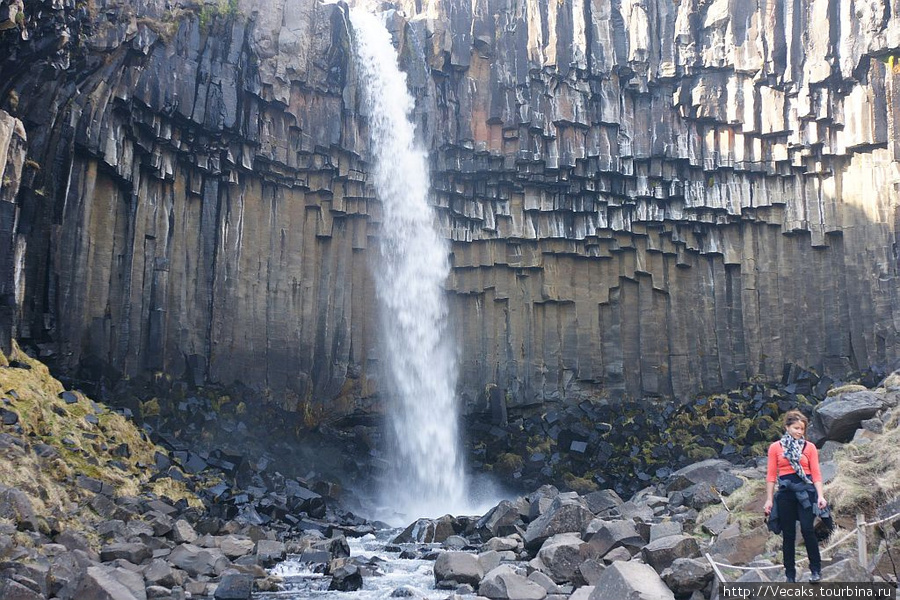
(302, 583)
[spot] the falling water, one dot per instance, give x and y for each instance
(414, 264)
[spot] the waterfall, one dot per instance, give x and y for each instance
(419, 356)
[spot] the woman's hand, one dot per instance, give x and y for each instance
(767, 507)
(822, 502)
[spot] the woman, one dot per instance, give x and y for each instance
(794, 465)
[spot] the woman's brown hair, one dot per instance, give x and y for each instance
(792, 416)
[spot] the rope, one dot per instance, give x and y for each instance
(830, 547)
(880, 521)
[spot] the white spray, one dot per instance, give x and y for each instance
(420, 359)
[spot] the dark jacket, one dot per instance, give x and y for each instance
(802, 491)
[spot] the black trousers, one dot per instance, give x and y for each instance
(789, 512)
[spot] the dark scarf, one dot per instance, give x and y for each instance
(793, 449)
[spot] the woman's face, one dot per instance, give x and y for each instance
(796, 429)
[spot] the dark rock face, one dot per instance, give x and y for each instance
(650, 202)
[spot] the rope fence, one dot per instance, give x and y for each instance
(859, 532)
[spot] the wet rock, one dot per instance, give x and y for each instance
(346, 577)
(429, 530)
(269, 552)
(234, 586)
(456, 568)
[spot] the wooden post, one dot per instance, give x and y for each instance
(861, 541)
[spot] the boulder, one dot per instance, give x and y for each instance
(234, 586)
(504, 519)
(101, 582)
(840, 416)
(605, 535)
(664, 529)
(346, 577)
(133, 552)
(269, 552)
(701, 495)
(503, 544)
(427, 531)
(13, 590)
(661, 553)
(589, 571)
(544, 581)
(540, 500)
(635, 511)
(562, 554)
(602, 501)
(198, 561)
(15, 505)
(159, 572)
(491, 559)
(182, 532)
(455, 542)
(620, 553)
(503, 583)
(565, 515)
(582, 593)
(631, 580)
(235, 547)
(717, 523)
(706, 471)
(687, 575)
(845, 570)
(741, 548)
(455, 568)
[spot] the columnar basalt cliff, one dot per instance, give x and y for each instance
(645, 197)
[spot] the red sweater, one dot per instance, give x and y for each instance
(778, 465)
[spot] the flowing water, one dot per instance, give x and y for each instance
(415, 576)
(420, 359)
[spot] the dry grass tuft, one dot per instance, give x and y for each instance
(868, 475)
(83, 447)
(846, 389)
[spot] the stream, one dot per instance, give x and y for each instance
(415, 576)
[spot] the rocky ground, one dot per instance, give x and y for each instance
(91, 506)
